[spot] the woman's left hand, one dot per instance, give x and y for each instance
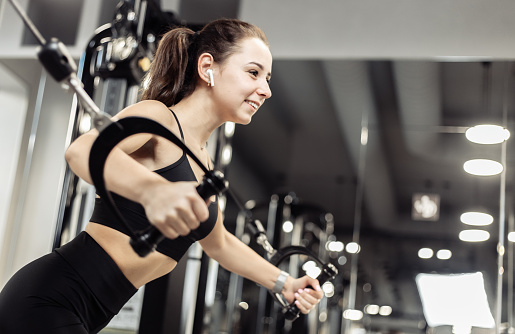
(305, 291)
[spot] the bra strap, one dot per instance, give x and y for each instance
(179, 124)
(182, 136)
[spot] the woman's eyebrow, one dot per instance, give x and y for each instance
(260, 67)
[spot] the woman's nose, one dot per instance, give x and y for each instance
(264, 90)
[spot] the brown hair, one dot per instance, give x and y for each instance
(172, 75)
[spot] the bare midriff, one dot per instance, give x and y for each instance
(138, 270)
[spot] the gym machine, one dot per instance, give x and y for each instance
(109, 74)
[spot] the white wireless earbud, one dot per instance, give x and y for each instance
(211, 81)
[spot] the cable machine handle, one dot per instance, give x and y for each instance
(146, 241)
(328, 273)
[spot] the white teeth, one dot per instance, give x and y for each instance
(252, 104)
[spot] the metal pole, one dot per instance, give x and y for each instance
(511, 222)
(28, 22)
(500, 246)
(26, 173)
(357, 218)
(190, 288)
(235, 283)
(502, 213)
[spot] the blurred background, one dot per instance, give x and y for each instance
(359, 156)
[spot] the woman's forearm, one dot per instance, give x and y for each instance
(240, 259)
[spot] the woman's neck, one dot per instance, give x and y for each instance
(198, 119)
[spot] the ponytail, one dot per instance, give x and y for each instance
(167, 74)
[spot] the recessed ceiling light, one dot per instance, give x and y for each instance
(444, 254)
(334, 246)
(482, 167)
(425, 253)
(474, 235)
(372, 309)
(352, 248)
(352, 314)
(287, 226)
(476, 218)
(487, 134)
(385, 310)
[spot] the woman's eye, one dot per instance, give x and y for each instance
(254, 73)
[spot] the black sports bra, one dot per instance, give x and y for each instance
(134, 213)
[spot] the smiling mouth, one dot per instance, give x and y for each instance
(253, 104)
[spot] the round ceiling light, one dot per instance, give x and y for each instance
(352, 248)
(487, 134)
(476, 218)
(444, 254)
(482, 167)
(474, 235)
(425, 253)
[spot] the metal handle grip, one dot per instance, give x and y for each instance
(329, 272)
(146, 241)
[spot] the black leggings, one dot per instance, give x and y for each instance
(76, 289)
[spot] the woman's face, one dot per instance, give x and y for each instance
(242, 81)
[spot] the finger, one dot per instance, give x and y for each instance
(314, 283)
(316, 289)
(182, 229)
(309, 297)
(200, 209)
(173, 226)
(302, 308)
(169, 232)
(303, 302)
(317, 292)
(189, 219)
(166, 230)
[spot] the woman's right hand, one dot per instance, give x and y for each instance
(174, 208)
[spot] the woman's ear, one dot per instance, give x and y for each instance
(205, 63)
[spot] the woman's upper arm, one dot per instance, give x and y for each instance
(216, 238)
(149, 109)
(77, 154)
(153, 110)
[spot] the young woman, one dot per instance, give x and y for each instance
(197, 82)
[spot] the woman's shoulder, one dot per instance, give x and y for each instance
(151, 104)
(152, 109)
(145, 108)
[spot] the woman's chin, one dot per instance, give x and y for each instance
(244, 120)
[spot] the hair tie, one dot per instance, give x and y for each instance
(192, 51)
(194, 36)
